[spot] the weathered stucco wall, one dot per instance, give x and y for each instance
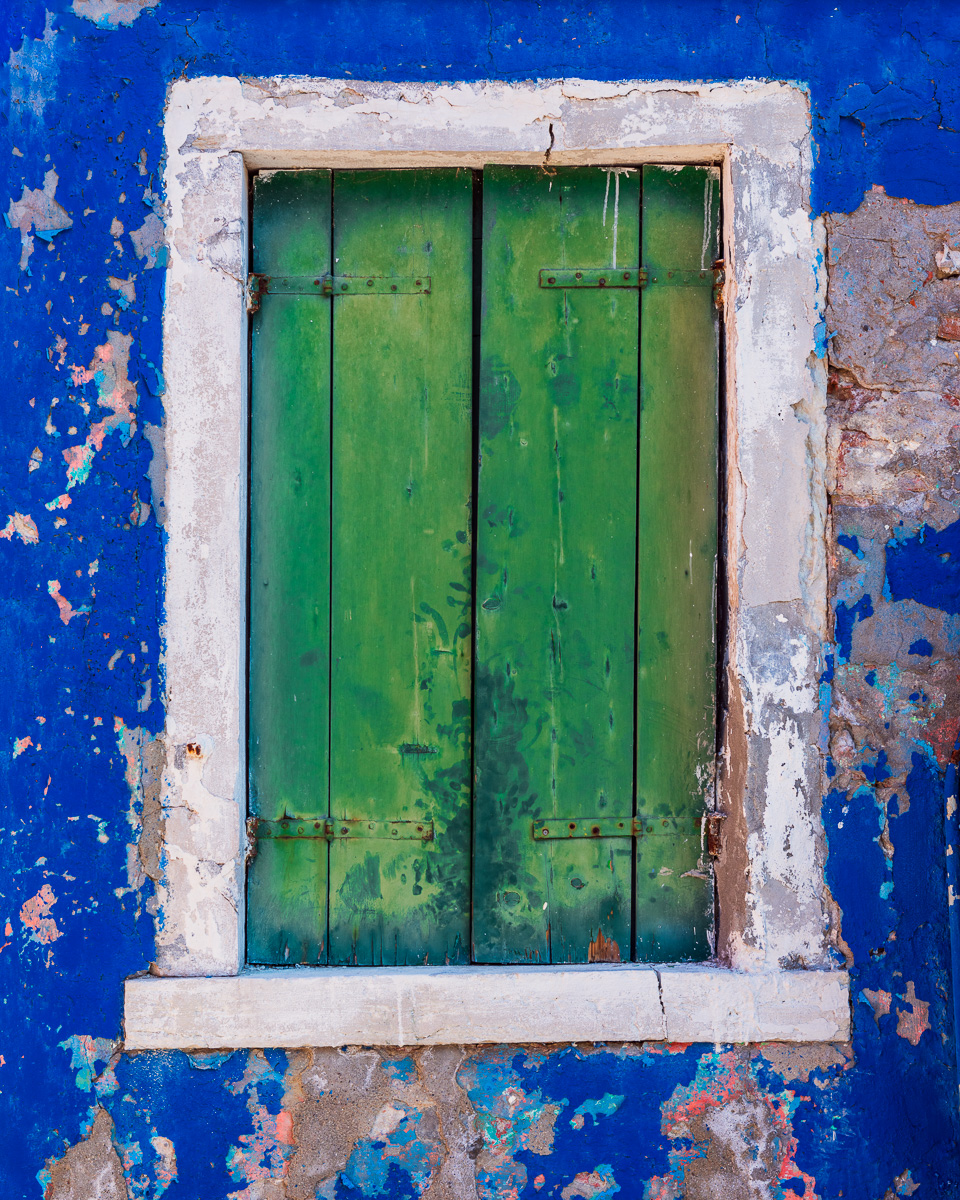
(81, 538)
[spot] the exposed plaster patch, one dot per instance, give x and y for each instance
(913, 1024)
(732, 1138)
(148, 242)
(37, 210)
(33, 74)
(888, 294)
(35, 917)
(24, 526)
(109, 370)
(588, 1184)
(67, 611)
(144, 753)
(90, 1169)
(108, 14)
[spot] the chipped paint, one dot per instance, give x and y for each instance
(25, 528)
(35, 917)
(37, 212)
(872, 687)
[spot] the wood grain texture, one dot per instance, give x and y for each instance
(676, 564)
(555, 566)
(289, 569)
(401, 577)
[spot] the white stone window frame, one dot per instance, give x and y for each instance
(772, 977)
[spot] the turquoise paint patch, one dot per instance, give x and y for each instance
(606, 1106)
(401, 1069)
(368, 1168)
(85, 1052)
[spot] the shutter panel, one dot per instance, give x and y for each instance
(289, 569)
(401, 576)
(677, 553)
(556, 578)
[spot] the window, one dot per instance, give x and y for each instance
(576, 735)
(772, 977)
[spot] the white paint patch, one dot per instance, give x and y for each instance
(109, 14)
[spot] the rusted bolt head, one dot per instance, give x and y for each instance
(316, 283)
(948, 327)
(602, 282)
(369, 283)
(551, 279)
(418, 282)
(393, 287)
(579, 274)
(626, 274)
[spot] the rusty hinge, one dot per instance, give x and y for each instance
(329, 829)
(611, 827)
(709, 825)
(259, 286)
(630, 277)
(713, 829)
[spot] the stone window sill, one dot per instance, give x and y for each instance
(430, 1006)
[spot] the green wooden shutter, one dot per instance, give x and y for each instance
(400, 683)
(289, 569)
(556, 577)
(676, 558)
(595, 580)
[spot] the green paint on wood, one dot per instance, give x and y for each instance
(372, 557)
(289, 569)
(556, 579)
(677, 552)
(401, 619)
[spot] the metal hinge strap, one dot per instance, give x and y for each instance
(332, 830)
(560, 828)
(628, 277)
(334, 285)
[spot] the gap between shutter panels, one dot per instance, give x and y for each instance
(536, 746)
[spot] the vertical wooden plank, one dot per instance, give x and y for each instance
(401, 621)
(289, 568)
(677, 552)
(555, 566)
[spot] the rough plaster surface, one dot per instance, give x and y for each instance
(875, 1120)
(770, 779)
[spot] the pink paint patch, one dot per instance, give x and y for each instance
(67, 611)
(20, 744)
(79, 459)
(913, 1025)
(58, 502)
(109, 370)
(261, 1155)
(879, 1001)
(23, 526)
(589, 1184)
(165, 1168)
(35, 916)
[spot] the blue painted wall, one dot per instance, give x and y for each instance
(80, 605)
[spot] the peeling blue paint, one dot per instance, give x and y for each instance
(926, 568)
(846, 616)
(885, 110)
